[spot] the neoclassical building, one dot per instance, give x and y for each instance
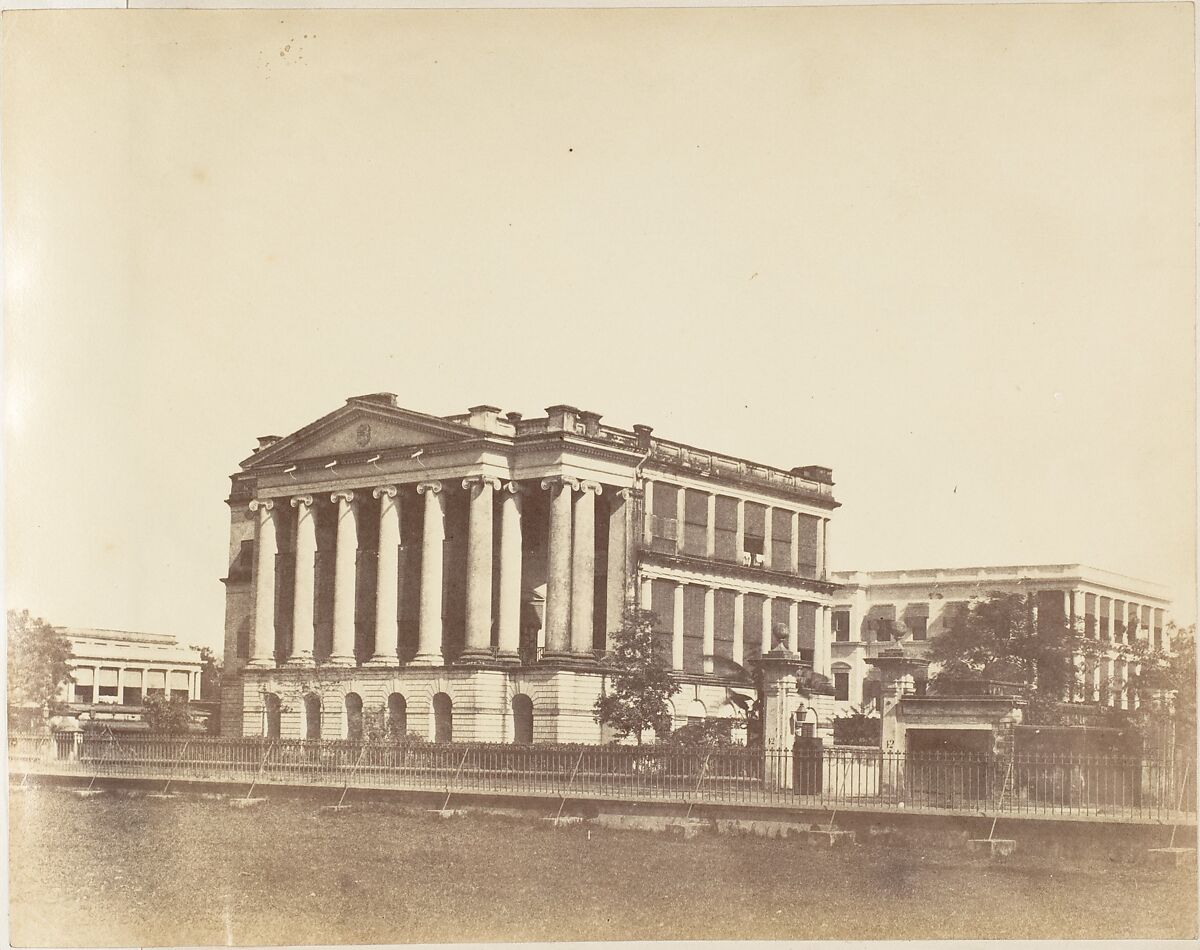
(1112, 609)
(459, 577)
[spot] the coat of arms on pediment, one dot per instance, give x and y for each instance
(362, 435)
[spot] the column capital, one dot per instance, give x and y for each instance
(305, 500)
(472, 480)
(434, 488)
(266, 504)
(626, 494)
(342, 495)
(390, 490)
(512, 488)
(554, 481)
(585, 486)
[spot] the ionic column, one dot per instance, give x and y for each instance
(739, 623)
(583, 570)
(387, 585)
(617, 580)
(433, 536)
(677, 630)
(262, 647)
(768, 535)
(479, 567)
(510, 573)
(793, 626)
(1112, 619)
(558, 569)
(766, 624)
(343, 580)
(710, 626)
(303, 634)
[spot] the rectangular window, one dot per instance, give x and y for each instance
(808, 546)
(695, 523)
(841, 626)
(664, 524)
(179, 685)
(108, 684)
(841, 685)
(752, 611)
(131, 687)
(726, 530)
(916, 618)
(781, 540)
(881, 620)
(663, 606)
(156, 683)
(755, 533)
(723, 623)
(693, 628)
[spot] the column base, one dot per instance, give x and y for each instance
(568, 660)
(341, 660)
(383, 660)
(474, 656)
(427, 659)
(261, 663)
(304, 661)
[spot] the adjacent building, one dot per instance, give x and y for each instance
(873, 609)
(113, 671)
(460, 577)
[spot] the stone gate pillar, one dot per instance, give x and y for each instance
(896, 669)
(780, 702)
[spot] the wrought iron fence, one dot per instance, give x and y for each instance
(1097, 787)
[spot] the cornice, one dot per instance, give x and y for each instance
(725, 569)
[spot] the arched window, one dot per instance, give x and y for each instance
(312, 716)
(272, 716)
(397, 712)
(696, 711)
(443, 718)
(354, 717)
(522, 707)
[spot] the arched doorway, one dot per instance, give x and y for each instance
(522, 708)
(443, 718)
(272, 716)
(354, 717)
(397, 713)
(312, 716)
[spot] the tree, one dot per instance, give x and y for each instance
(641, 683)
(37, 663)
(210, 675)
(166, 715)
(704, 734)
(1171, 673)
(997, 638)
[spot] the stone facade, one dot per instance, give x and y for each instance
(470, 570)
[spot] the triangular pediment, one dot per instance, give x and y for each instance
(359, 426)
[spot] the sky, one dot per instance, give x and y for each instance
(946, 251)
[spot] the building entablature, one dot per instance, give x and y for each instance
(372, 431)
(724, 575)
(979, 581)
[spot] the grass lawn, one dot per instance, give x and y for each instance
(122, 870)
